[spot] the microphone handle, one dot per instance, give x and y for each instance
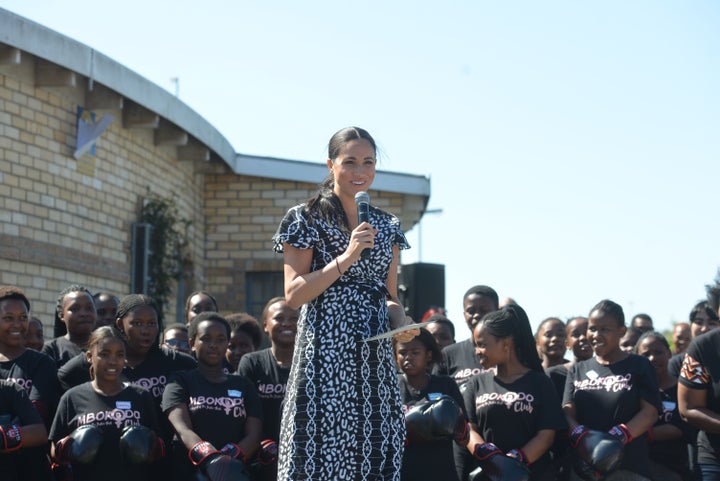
(364, 216)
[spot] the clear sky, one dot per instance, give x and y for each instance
(573, 147)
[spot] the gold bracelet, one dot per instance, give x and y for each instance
(337, 264)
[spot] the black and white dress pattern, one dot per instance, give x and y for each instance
(342, 418)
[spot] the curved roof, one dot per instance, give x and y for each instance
(27, 36)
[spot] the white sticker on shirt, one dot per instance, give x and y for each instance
(592, 374)
(124, 405)
(669, 405)
(234, 393)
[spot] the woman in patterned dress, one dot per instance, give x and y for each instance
(342, 418)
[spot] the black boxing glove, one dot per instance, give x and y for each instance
(10, 438)
(622, 433)
(234, 451)
(600, 450)
(140, 445)
(268, 452)
(434, 420)
(81, 446)
(520, 455)
(496, 466)
(202, 452)
(222, 467)
(587, 472)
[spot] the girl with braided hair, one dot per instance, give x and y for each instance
(75, 319)
(513, 410)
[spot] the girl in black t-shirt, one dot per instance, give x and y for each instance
(550, 338)
(667, 437)
(614, 392)
(217, 416)
(269, 370)
(514, 413)
(425, 460)
(21, 429)
(108, 418)
(34, 372)
(75, 319)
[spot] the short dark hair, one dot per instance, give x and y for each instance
(244, 322)
(483, 291)
(206, 316)
(610, 308)
(427, 340)
(440, 319)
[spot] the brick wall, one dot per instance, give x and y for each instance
(59, 226)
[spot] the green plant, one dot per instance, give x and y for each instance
(170, 259)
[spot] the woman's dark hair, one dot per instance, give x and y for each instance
(244, 322)
(656, 336)
(102, 334)
(207, 316)
(12, 292)
(131, 302)
(427, 340)
(442, 320)
(546, 321)
(703, 306)
(59, 327)
(612, 309)
(265, 310)
(512, 321)
(195, 293)
(325, 202)
(483, 291)
(173, 327)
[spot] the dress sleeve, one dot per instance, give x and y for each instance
(399, 236)
(295, 230)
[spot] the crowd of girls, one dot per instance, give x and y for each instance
(129, 400)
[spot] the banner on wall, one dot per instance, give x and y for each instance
(89, 130)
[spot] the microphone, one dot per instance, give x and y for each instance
(362, 200)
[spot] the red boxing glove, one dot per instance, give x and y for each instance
(234, 451)
(622, 433)
(576, 434)
(518, 454)
(10, 438)
(268, 453)
(485, 451)
(202, 452)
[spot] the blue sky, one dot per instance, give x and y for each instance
(572, 146)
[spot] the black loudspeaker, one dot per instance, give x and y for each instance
(420, 287)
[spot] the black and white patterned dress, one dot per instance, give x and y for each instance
(342, 418)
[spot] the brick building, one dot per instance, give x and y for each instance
(65, 221)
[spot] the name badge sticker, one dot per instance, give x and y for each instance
(234, 393)
(669, 405)
(434, 396)
(124, 405)
(592, 375)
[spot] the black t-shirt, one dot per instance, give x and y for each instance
(152, 375)
(270, 380)
(218, 411)
(511, 414)
(37, 375)
(429, 461)
(701, 370)
(61, 350)
(607, 395)
(82, 405)
(674, 365)
(558, 375)
(459, 362)
(673, 453)
(15, 406)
